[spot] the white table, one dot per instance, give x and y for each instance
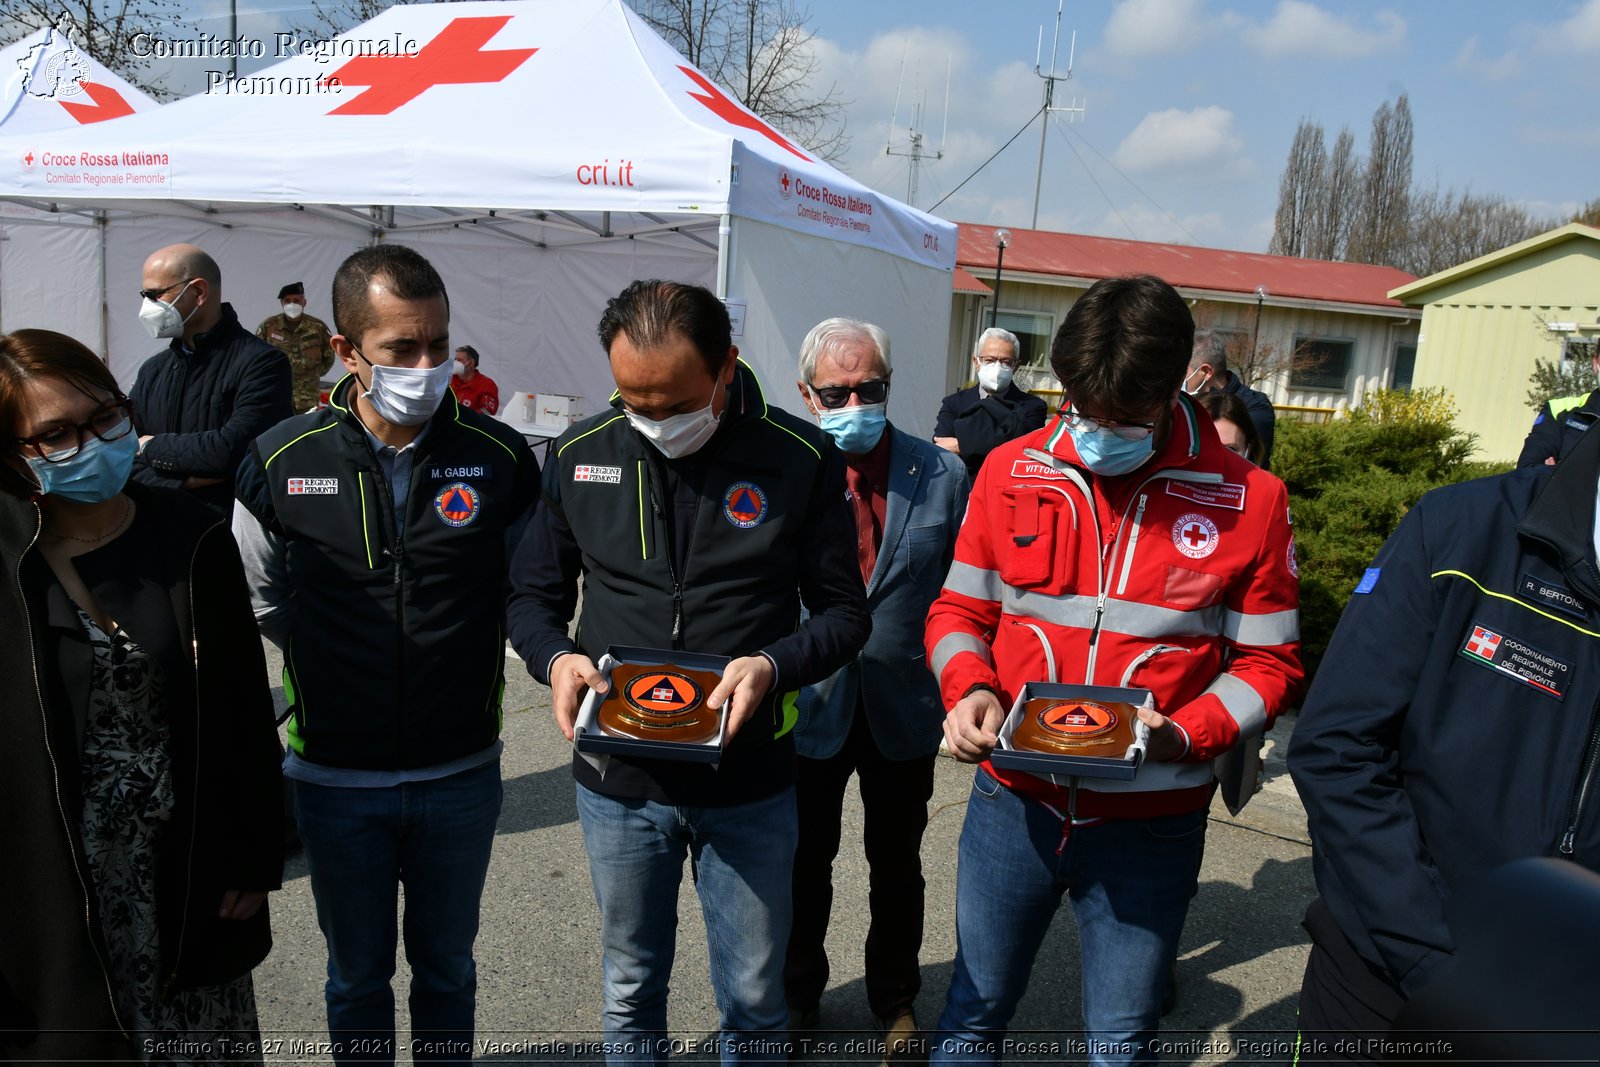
(536, 433)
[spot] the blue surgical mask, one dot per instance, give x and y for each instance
(1104, 453)
(92, 475)
(855, 429)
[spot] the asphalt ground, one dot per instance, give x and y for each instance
(539, 989)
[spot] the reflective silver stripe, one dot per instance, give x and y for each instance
(1065, 610)
(951, 644)
(1148, 620)
(1242, 702)
(1273, 628)
(1121, 616)
(972, 581)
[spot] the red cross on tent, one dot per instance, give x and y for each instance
(108, 104)
(454, 57)
(718, 104)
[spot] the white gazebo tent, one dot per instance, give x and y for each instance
(46, 84)
(542, 154)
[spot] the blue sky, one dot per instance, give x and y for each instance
(1191, 104)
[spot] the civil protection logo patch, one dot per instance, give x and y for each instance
(457, 504)
(1078, 720)
(663, 693)
(744, 504)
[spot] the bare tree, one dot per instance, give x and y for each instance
(1450, 228)
(109, 30)
(1330, 236)
(330, 18)
(1301, 191)
(1381, 225)
(1589, 213)
(760, 50)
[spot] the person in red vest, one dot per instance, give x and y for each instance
(473, 390)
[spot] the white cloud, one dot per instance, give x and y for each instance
(1507, 68)
(1300, 28)
(1580, 32)
(1206, 137)
(1155, 27)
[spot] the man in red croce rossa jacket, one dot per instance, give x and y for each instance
(1121, 545)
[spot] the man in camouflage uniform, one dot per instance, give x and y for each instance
(306, 341)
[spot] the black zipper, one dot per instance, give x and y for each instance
(672, 569)
(397, 558)
(55, 777)
(194, 658)
(1591, 756)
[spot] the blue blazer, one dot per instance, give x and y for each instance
(927, 500)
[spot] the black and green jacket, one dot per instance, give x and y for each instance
(713, 553)
(396, 646)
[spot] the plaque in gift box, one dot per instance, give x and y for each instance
(657, 706)
(1065, 731)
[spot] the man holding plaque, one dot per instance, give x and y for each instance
(698, 520)
(879, 718)
(1122, 545)
(1451, 730)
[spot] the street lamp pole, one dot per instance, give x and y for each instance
(1002, 238)
(1255, 332)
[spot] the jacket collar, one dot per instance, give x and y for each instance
(20, 521)
(214, 338)
(1562, 515)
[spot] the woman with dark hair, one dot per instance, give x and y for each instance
(1234, 426)
(139, 810)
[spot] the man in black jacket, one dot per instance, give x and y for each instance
(1209, 373)
(200, 401)
(1451, 730)
(972, 421)
(375, 534)
(698, 519)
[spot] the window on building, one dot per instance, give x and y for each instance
(1320, 363)
(1405, 361)
(1576, 353)
(1033, 330)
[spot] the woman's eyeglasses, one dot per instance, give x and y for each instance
(110, 423)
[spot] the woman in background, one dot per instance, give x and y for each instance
(1232, 418)
(139, 806)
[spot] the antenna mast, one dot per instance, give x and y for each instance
(1071, 111)
(914, 135)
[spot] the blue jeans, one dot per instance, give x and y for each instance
(362, 845)
(742, 858)
(1130, 882)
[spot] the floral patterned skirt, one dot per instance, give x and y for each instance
(128, 803)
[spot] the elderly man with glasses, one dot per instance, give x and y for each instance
(974, 420)
(879, 717)
(1121, 546)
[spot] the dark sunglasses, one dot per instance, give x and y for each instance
(157, 294)
(875, 391)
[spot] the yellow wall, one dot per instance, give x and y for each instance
(1482, 333)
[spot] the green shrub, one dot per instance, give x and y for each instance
(1352, 480)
